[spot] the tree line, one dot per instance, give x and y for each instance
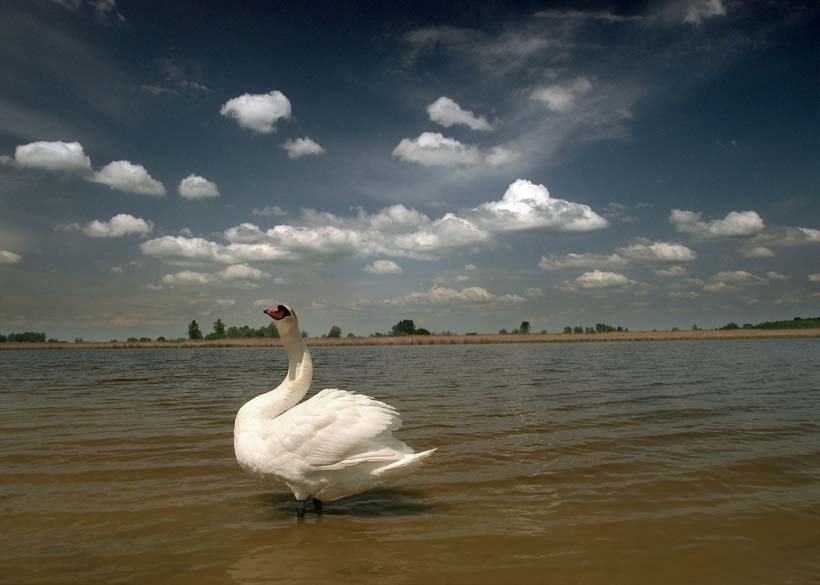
(796, 323)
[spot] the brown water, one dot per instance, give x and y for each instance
(656, 463)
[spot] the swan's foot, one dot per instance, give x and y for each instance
(301, 507)
(317, 506)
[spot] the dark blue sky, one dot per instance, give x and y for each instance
(541, 188)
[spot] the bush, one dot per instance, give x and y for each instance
(422, 331)
(335, 332)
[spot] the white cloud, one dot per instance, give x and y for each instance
(573, 260)
(187, 277)
(528, 206)
(470, 267)
(431, 149)
(757, 252)
(120, 225)
(258, 112)
(383, 267)
(242, 272)
(182, 249)
(696, 11)
(534, 293)
(736, 223)
(187, 232)
(787, 237)
(647, 251)
(741, 277)
(500, 156)
(561, 98)
(684, 295)
(7, 257)
(448, 113)
(117, 269)
(196, 187)
(672, 272)
(814, 277)
(238, 274)
(269, 211)
(776, 276)
(729, 281)
(302, 147)
(443, 295)
(53, 156)
(126, 176)
(601, 279)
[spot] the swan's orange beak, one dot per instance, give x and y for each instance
(279, 312)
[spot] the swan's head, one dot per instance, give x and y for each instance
(283, 316)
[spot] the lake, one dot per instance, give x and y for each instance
(629, 462)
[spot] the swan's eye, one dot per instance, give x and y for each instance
(282, 312)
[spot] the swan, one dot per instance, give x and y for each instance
(333, 445)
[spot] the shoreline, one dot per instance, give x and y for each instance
(437, 339)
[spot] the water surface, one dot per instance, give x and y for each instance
(681, 462)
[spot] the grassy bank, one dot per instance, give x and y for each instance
(440, 339)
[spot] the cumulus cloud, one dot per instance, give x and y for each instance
(786, 237)
(303, 147)
(470, 267)
(448, 113)
(258, 112)
(736, 223)
(527, 206)
(129, 177)
(394, 231)
(757, 252)
(731, 280)
(573, 260)
(383, 267)
(120, 225)
(647, 251)
(196, 187)
(442, 295)
(814, 277)
(240, 274)
(689, 295)
(7, 257)
(776, 276)
(432, 149)
(561, 98)
(53, 156)
(672, 272)
(601, 279)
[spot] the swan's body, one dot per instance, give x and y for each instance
(333, 445)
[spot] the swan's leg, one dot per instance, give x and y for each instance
(301, 506)
(317, 506)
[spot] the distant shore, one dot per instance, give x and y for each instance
(438, 339)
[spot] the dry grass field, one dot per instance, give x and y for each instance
(441, 339)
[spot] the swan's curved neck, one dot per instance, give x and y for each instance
(295, 385)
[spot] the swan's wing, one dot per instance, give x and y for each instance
(337, 428)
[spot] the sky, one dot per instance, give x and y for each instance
(467, 165)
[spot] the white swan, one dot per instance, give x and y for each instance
(334, 445)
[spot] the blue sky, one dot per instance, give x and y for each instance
(466, 165)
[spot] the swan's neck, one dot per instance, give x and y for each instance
(295, 385)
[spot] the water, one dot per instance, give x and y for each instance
(681, 462)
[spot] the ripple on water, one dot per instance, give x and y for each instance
(588, 463)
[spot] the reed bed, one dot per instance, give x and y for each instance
(438, 339)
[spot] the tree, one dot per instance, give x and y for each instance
(193, 330)
(335, 331)
(422, 331)
(567, 329)
(503, 332)
(219, 328)
(404, 327)
(524, 328)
